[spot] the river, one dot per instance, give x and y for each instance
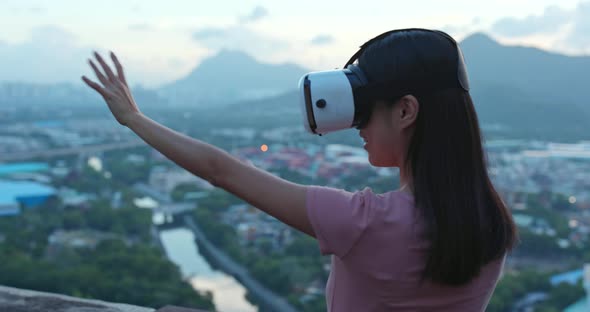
(228, 294)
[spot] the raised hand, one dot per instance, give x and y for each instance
(286, 201)
(114, 89)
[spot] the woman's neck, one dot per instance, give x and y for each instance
(405, 182)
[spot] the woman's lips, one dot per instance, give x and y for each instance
(364, 140)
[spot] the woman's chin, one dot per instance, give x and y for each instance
(374, 162)
(381, 163)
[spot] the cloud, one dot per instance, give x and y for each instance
(567, 28)
(461, 30)
(579, 36)
(257, 14)
(457, 29)
(52, 36)
(238, 37)
(210, 33)
(177, 63)
(552, 18)
(141, 27)
(322, 40)
(54, 55)
(243, 36)
(50, 55)
(37, 10)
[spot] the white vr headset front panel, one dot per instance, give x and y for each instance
(333, 87)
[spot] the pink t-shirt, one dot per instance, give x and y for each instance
(379, 254)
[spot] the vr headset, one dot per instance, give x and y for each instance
(340, 99)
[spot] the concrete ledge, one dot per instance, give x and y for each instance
(20, 300)
(178, 309)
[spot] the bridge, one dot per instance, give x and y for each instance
(166, 209)
(174, 208)
(57, 152)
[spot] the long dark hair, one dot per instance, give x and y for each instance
(468, 224)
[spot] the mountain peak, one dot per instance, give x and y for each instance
(229, 57)
(479, 39)
(233, 75)
(230, 53)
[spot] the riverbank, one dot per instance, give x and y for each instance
(227, 293)
(266, 297)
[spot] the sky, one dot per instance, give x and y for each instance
(159, 41)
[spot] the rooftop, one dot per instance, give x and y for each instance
(571, 277)
(6, 169)
(12, 190)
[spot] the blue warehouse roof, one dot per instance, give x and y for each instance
(6, 169)
(11, 191)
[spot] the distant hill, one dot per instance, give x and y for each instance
(519, 92)
(62, 95)
(231, 76)
(528, 92)
(543, 76)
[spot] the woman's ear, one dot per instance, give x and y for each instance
(407, 110)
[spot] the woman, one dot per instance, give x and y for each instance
(436, 244)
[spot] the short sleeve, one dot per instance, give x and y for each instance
(338, 217)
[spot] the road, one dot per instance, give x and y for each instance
(70, 151)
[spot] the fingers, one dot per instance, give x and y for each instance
(106, 68)
(119, 68)
(94, 86)
(98, 73)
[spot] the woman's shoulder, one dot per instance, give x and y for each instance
(366, 197)
(340, 218)
(390, 201)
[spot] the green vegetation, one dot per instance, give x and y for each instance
(287, 272)
(515, 285)
(546, 207)
(300, 263)
(115, 272)
(124, 265)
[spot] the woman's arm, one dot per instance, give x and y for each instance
(279, 198)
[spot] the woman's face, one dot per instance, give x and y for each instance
(385, 137)
(380, 137)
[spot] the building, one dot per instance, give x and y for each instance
(71, 198)
(165, 180)
(17, 194)
(8, 205)
(20, 168)
(571, 277)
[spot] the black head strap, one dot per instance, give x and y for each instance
(462, 77)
